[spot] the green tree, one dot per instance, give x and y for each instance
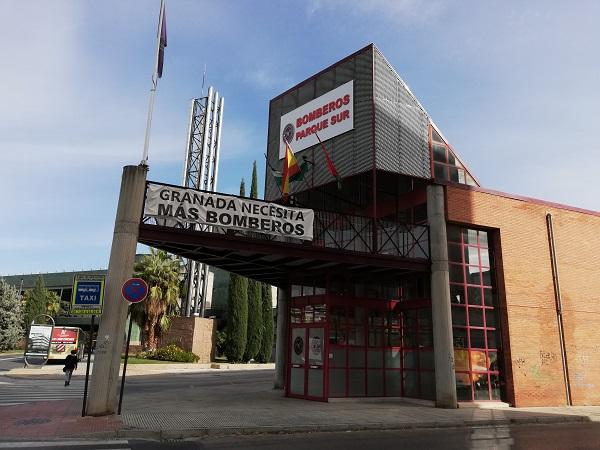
(53, 307)
(161, 271)
(36, 301)
(266, 343)
(255, 326)
(237, 317)
(11, 327)
(254, 184)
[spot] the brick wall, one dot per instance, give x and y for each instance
(205, 333)
(193, 334)
(527, 300)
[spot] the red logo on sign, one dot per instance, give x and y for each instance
(64, 336)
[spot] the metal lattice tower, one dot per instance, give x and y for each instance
(200, 171)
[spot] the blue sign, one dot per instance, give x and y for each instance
(134, 290)
(88, 294)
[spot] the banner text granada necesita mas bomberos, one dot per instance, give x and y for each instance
(189, 205)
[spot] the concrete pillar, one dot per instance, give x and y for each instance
(281, 338)
(443, 347)
(111, 334)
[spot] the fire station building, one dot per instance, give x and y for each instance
(417, 282)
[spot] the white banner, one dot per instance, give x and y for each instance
(329, 115)
(38, 342)
(190, 205)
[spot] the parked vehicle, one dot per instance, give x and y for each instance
(65, 339)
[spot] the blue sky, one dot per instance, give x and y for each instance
(513, 85)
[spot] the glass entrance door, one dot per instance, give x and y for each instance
(316, 360)
(307, 363)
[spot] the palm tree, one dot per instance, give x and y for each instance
(161, 271)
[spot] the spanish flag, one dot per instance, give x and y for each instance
(290, 168)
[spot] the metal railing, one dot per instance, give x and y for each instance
(338, 231)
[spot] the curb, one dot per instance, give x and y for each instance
(319, 428)
(163, 435)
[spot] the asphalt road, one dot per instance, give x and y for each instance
(10, 361)
(15, 391)
(530, 437)
(535, 437)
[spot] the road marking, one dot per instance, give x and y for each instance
(19, 393)
(10, 359)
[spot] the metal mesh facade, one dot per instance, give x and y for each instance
(401, 124)
(386, 115)
(351, 152)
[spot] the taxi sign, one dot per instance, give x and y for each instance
(134, 290)
(88, 295)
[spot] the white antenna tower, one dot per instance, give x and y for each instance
(200, 171)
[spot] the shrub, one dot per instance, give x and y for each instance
(144, 355)
(174, 353)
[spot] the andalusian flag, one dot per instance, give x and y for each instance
(298, 177)
(277, 175)
(290, 170)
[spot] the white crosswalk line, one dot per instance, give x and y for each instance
(31, 391)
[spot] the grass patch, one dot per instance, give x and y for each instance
(134, 360)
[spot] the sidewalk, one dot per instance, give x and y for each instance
(266, 411)
(220, 405)
(48, 420)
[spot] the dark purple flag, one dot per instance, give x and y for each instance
(162, 43)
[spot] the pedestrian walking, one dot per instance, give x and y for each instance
(70, 365)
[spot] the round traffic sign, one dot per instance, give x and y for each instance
(134, 290)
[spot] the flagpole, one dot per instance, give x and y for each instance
(330, 164)
(149, 122)
(144, 161)
(272, 172)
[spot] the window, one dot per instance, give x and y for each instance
(474, 316)
(381, 351)
(446, 165)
